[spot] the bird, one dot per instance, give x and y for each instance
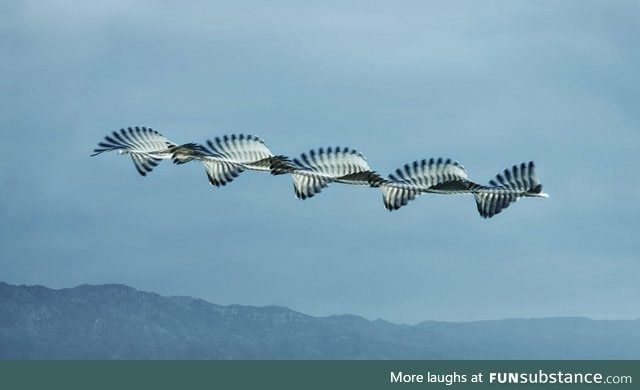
(316, 169)
(225, 157)
(419, 177)
(146, 147)
(507, 187)
(449, 177)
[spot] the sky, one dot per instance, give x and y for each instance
(489, 84)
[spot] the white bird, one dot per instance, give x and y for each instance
(449, 177)
(226, 157)
(315, 170)
(146, 147)
(521, 181)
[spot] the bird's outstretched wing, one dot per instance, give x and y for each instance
(240, 149)
(145, 146)
(444, 176)
(313, 171)
(227, 156)
(507, 187)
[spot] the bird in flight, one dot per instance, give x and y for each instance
(448, 177)
(146, 147)
(225, 157)
(315, 170)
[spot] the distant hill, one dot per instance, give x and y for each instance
(119, 322)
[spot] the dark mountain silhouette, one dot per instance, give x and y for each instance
(119, 322)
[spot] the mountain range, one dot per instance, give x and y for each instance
(119, 322)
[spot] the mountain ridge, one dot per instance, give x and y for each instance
(116, 321)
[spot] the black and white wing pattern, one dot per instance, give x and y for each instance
(220, 172)
(425, 176)
(507, 187)
(225, 157)
(145, 146)
(313, 171)
(244, 149)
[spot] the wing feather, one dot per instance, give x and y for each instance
(134, 139)
(145, 146)
(242, 148)
(220, 173)
(506, 188)
(413, 179)
(314, 170)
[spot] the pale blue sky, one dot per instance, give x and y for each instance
(488, 83)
